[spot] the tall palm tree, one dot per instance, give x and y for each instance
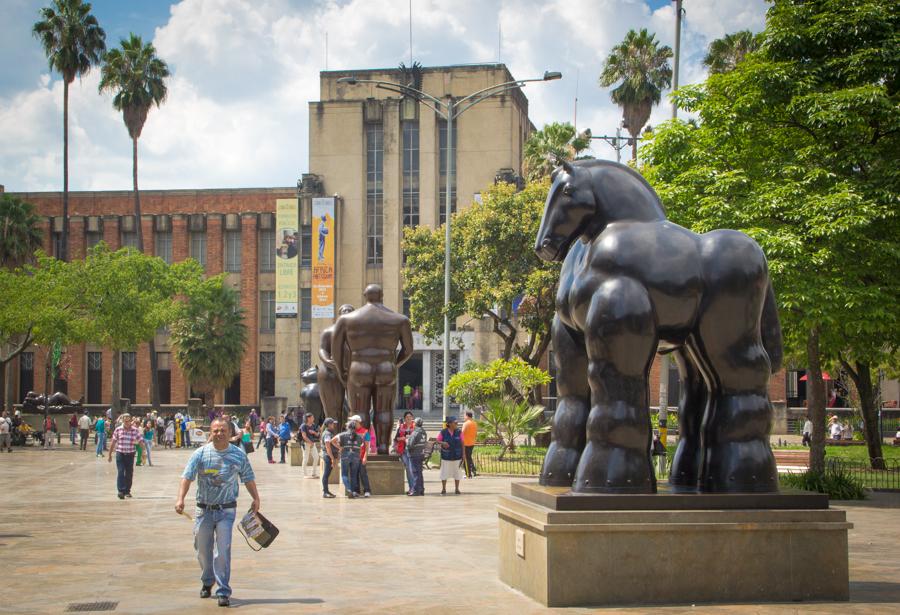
(137, 77)
(73, 42)
(643, 68)
(555, 141)
(20, 235)
(725, 53)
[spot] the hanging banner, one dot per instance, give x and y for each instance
(287, 259)
(323, 258)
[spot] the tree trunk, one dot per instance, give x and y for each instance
(114, 382)
(64, 251)
(815, 402)
(862, 380)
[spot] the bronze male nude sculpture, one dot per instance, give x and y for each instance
(331, 389)
(370, 335)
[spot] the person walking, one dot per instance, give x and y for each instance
(100, 435)
(284, 436)
(329, 455)
(73, 428)
(160, 429)
(170, 434)
(125, 440)
(84, 429)
(451, 454)
(178, 423)
(186, 425)
(254, 420)
(405, 428)
(807, 432)
(48, 432)
(407, 396)
(415, 448)
(469, 434)
(218, 467)
(149, 432)
(271, 437)
(262, 433)
(247, 437)
(310, 434)
(5, 432)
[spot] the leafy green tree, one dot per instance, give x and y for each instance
(725, 53)
(20, 236)
(210, 336)
(73, 42)
(641, 67)
(798, 146)
(507, 419)
(493, 265)
(555, 141)
(137, 76)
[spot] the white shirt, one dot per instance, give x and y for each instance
(84, 422)
(807, 427)
(5, 424)
(835, 430)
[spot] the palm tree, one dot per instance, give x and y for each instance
(73, 42)
(210, 337)
(643, 68)
(725, 53)
(555, 141)
(20, 235)
(137, 77)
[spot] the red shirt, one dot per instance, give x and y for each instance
(402, 432)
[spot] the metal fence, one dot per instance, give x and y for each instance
(861, 471)
(523, 461)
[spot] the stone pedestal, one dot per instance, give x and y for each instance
(387, 476)
(296, 451)
(572, 550)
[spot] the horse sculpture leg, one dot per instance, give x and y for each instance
(621, 343)
(570, 419)
(688, 457)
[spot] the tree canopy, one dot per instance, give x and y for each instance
(20, 236)
(798, 146)
(555, 141)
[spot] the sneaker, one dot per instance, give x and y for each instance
(127, 495)
(367, 495)
(121, 496)
(282, 461)
(206, 591)
(271, 461)
(352, 496)
(224, 601)
(458, 492)
(328, 495)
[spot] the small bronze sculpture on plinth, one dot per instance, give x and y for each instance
(331, 389)
(632, 281)
(370, 337)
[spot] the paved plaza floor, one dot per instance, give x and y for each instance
(65, 538)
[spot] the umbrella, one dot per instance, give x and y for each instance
(825, 376)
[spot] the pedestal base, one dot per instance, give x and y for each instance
(563, 555)
(296, 451)
(387, 476)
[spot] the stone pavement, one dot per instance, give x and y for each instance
(65, 538)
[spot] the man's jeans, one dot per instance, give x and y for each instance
(84, 433)
(212, 541)
(326, 473)
(404, 457)
(350, 472)
(125, 466)
(363, 478)
(311, 455)
(101, 442)
(415, 463)
(73, 431)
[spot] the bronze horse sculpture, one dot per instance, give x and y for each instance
(633, 283)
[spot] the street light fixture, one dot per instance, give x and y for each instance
(449, 110)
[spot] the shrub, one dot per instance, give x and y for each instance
(836, 483)
(507, 420)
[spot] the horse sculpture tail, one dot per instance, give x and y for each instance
(770, 330)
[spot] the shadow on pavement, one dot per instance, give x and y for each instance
(874, 591)
(237, 602)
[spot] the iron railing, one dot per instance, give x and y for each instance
(862, 471)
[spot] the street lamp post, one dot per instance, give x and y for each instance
(449, 111)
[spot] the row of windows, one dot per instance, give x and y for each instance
(267, 310)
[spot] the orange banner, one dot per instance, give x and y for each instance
(323, 258)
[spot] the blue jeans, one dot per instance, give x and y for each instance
(270, 444)
(212, 541)
(326, 473)
(73, 432)
(415, 463)
(125, 467)
(350, 472)
(404, 457)
(101, 441)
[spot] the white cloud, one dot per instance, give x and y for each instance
(244, 71)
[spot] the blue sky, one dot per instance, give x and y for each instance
(244, 71)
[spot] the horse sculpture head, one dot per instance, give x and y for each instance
(568, 212)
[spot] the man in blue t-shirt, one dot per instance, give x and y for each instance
(217, 466)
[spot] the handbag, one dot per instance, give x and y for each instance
(255, 526)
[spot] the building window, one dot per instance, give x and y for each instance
(410, 173)
(406, 304)
(267, 311)
(129, 376)
(91, 239)
(163, 247)
(129, 239)
(374, 194)
(442, 179)
(266, 251)
(164, 376)
(198, 247)
(57, 245)
(791, 380)
(233, 392)
(305, 309)
(95, 377)
(305, 360)
(266, 374)
(306, 245)
(233, 251)
(26, 373)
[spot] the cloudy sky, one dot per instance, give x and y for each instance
(244, 70)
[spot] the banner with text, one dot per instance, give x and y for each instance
(323, 258)
(287, 246)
